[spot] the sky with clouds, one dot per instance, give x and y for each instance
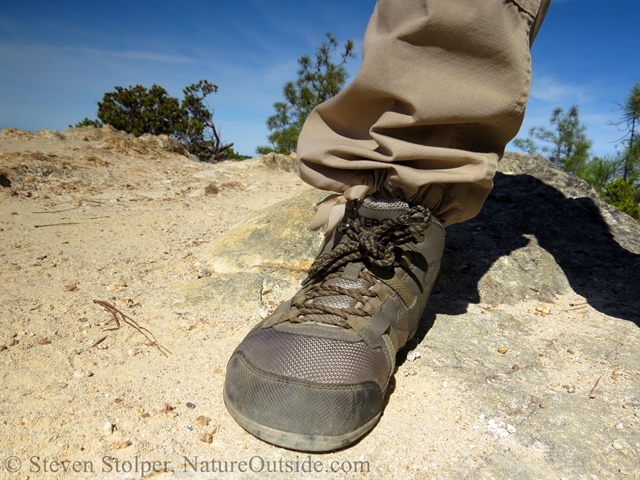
(58, 57)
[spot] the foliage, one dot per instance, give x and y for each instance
(197, 131)
(87, 122)
(631, 117)
(138, 110)
(620, 193)
(600, 171)
(569, 147)
(318, 80)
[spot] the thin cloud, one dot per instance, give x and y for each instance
(549, 89)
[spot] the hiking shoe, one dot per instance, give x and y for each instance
(313, 376)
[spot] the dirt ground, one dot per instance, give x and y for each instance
(97, 215)
(115, 220)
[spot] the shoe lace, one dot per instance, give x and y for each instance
(375, 246)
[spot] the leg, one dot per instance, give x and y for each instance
(442, 89)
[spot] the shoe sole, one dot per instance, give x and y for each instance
(298, 441)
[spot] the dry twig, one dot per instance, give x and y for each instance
(130, 321)
(58, 211)
(56, 224)
(591, 396)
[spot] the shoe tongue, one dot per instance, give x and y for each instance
(374, 211)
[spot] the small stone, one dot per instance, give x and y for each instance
(511, 429)
(108, 428)
(70, 287)
(44, 341)
(445, 384)
(204, 273)
(3, 347)
(145, 415)
(190, 405)
(571, 389)
(41, 257)
(120, 445)
(206, 438)
(13, 342)
(570, 352)
(619, 426)
(211, 189)
(203, 421)
(172, 414)
(543, 309)
(412, 356)
(618, 445)
(63, 385)
(165, 408)
(516, 367)
(117, 400)
(542, 405)
(502, 350)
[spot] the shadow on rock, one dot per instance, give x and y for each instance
(526, 230)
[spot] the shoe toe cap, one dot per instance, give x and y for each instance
(257, 398)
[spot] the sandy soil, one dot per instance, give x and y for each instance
(101, 216)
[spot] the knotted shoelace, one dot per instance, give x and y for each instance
(375, 246)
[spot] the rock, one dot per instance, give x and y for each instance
(258, 263)
(510, 282)
(203, 421)
(108, 428)
(165, 408)
(270, 161)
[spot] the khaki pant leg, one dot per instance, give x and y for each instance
(442, 89)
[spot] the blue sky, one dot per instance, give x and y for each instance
(58, 57)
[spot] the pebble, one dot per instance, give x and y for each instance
(42, 257)
(204, 273)
(543, 309)
(63, 385)
(13, 342)
(543, 405)
(120, 445)
(108, 428)
(3, 347)
(203, 421)
(619, 426)
(412, 356)
(516, 367)
(172, 414)
(618, 445)
(190, 405)
(165, 408)
(502, 350)
(206, 438)
(70, 287)
(511, 429)
(44, 341)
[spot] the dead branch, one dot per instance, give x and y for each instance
(131, 322)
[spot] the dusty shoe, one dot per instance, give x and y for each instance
(313, 375)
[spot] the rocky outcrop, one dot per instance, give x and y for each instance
(526, 364)
(109, 136)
